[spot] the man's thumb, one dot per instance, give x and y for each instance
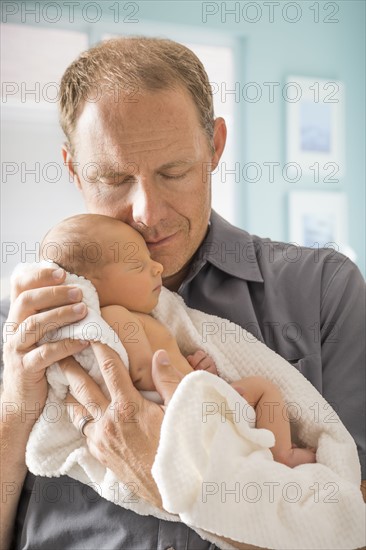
(166, 378)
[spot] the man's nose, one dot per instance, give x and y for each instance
(148, 206)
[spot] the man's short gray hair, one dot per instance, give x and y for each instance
(134, 64)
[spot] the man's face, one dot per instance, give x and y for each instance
(147, 163)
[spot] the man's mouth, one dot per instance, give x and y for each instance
(154, 244)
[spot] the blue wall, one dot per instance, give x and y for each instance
(269, 52)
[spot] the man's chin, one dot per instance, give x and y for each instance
(172, 278)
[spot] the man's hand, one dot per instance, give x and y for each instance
(38, 305)
(363, 489)
(125, 432)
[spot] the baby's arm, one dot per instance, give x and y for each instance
(131, 332)
(161, 338)
(142, 335)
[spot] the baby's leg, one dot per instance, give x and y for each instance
(266, 398)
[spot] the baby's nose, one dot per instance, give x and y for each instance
(157, 268)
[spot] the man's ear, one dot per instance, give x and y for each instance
(70, 164)
(219, 139)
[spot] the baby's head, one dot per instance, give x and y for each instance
(111, 254)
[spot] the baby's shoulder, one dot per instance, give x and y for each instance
(147, 320)
(116, 313)
(152, 325)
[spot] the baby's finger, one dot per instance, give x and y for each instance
(195, 358)
(206, 364)
(212, 369)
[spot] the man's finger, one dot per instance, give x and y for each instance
(76, 412)
(35, 300)
(36, 278)
(45, 355)
(85, 390)
(35, 327)
(166, 378)
(115, 374)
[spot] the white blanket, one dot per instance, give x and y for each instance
(214, 470)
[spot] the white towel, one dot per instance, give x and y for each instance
(214, 470)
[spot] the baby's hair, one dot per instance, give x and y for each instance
(76, 244)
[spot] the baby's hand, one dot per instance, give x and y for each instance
(201, 361)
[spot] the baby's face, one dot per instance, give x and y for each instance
(131, 278)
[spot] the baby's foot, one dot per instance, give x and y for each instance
(296, 456)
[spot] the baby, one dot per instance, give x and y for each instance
(116, 259)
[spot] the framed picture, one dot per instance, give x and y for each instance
(315, 127)
(318, 219)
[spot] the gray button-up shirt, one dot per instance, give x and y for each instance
(306, 304)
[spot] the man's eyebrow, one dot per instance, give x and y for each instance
(110, 172)
(176, 164)
(115, 170)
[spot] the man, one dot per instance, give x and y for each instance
(143, 153)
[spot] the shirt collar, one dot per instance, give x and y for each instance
(228, 248)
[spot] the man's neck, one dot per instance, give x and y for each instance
(173, 282)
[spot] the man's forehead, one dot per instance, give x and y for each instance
(167, 152)
(159, 147)
(153, 119)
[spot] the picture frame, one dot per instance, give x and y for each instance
(318, 219)
(315, 127)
